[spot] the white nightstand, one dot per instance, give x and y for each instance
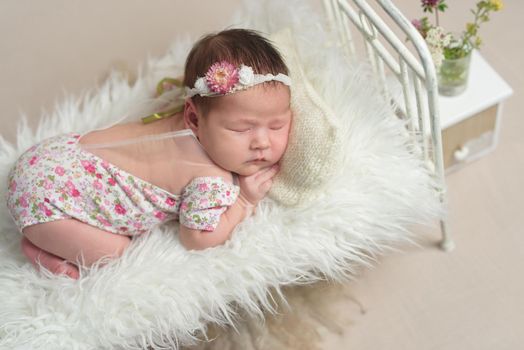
(470, 122)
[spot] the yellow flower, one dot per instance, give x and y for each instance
(498, 4)
(478, 41)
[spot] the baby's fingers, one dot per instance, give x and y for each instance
(267, 174)
(265, 186)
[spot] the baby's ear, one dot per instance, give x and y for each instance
(190, 116)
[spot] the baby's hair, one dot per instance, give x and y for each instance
(237, 46)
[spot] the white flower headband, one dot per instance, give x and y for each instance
(224, 78)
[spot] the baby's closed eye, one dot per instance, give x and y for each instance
(277, 127)
(237, 129)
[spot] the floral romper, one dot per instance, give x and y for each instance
(56, 179)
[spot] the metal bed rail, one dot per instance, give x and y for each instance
(415, 73)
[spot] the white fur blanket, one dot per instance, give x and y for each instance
(160, 295)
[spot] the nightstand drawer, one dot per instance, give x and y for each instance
(470, 138)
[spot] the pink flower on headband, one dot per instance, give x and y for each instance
(222, 77)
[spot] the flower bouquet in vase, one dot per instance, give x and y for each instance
(451, 52)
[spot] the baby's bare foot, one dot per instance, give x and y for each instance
(65, 268)
(39, 257)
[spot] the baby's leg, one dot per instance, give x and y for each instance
(72, 240)
(53, 263)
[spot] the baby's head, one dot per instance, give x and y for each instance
(242, 123)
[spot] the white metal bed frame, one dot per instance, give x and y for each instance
(416, 74)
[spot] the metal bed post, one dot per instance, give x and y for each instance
(416, 75)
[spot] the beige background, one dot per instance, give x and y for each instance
(423, 299)
(51, 47)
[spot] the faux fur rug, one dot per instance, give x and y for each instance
(310, 315)
(159, 295)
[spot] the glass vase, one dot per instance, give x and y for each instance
(453, 75)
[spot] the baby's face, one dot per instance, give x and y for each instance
(248, 130)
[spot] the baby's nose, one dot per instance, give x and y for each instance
(260, 140)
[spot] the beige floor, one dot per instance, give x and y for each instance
(471, 298)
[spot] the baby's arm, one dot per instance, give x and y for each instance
(252, 189)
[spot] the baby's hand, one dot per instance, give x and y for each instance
(254, 187)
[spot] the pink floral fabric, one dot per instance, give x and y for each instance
(56, 179)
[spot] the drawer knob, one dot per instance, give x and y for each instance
(461, 153)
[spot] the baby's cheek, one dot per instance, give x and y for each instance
(284, 140)
(278, 151)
